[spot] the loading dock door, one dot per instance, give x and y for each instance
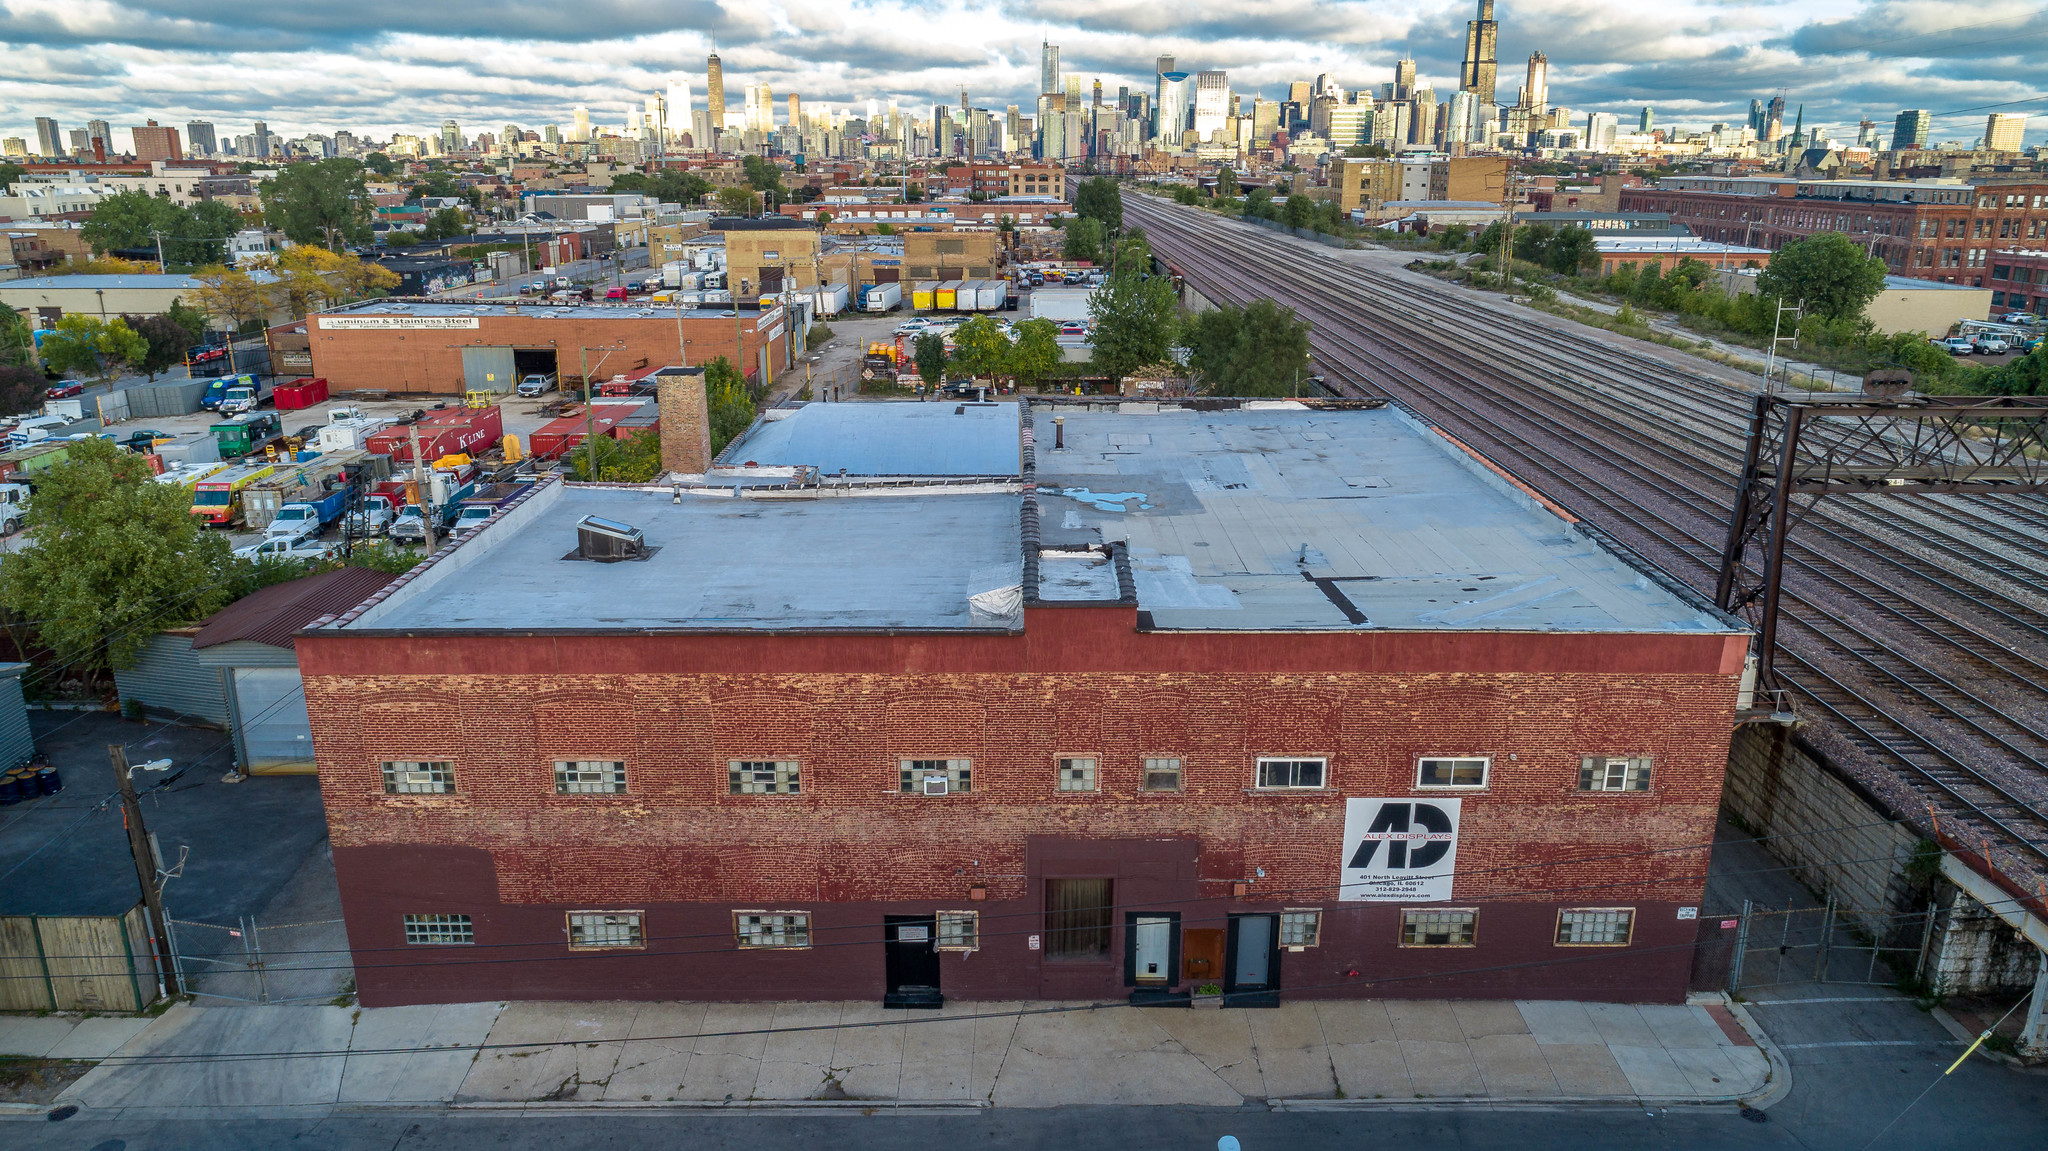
(271, 723)
(488, 370)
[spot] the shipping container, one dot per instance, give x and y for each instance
(553, 439)
(303, 392)
(831, 299)
(173, 398)
(881, 297)
(448, 432)
(34, 458)
(192, 448)
(924, 294)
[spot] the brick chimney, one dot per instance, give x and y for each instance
(685, 420)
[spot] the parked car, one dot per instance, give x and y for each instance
(144, 440)
(1955, 345)
(208, 354)
(1990, 346)
(1073, 328)
(2028, 318)
(66, 389)
(279, 548)
(536, 385)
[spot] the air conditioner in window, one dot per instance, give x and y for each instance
(419, 777)
(935, 785)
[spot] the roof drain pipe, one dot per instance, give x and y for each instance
(1059, 433)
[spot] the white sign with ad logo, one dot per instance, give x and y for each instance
(1398, 850)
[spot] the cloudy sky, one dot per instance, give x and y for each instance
(383, 66)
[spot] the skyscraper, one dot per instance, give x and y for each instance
(581, 132)
(1404, 79)
(1482, 38)
(261, 132)
(1212, 101)
(1422, 128)
(1172, 118)
(796, 112)
(199, 138)
(2004, 130)
(714, 93)
(1536, 92)
(49, 138)
(1048, 68)
(1600, 131)
(103, 132)
(1774, 121)
(676, 114)
(1756, 118)
(451, 136)
(1160, 68)
(1644, 124)
(1911, 128)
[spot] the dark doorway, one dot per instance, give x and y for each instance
(912, 966)
(1251, 972)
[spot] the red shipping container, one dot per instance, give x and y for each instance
(554, 438)
(303, 392)
(435, 442)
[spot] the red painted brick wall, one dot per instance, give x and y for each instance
(679, 845)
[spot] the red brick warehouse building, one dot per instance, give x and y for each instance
(438, 347)
(1299, 700)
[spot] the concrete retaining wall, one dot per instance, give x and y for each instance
(1831, 833)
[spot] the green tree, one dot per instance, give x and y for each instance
(189, 318)
(207, 226)
(1037, 353)
(1226, 182)
(10, 172)
(736, 201)
(1367, 152)
(22, 389)
(1258, 203)
(88, 343)
(322, 202)
(17, 342)
(824, 220)
(1258, 350)
(1300, 211)
(1828, 273)
(1084, 240)
(1134, 316)
(670, 185)
(167, 341)
(1571, 251)
(379, 163)
(914, 194)
(928, 352)
(763, 176)
(446, 223)
(113, 558)
(634, 460)
(980, 348)
(730, 400)
(1102, 201)
(132, 219)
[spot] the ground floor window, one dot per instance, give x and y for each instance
(1595, 926)
(1439, 927)
(1077, 918)
(434, 929)
(785, 929)
(1301, 928)
(589, 777)
(597, 930)
(958, 931)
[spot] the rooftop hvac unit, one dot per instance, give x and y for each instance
(607, 541)
(935, 785)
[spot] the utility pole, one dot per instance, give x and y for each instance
(422, 492)
(145, 868)
(589, 418)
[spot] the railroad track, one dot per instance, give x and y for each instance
(1914, 630)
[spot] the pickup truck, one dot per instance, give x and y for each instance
(303, 519)
(284, 549)
(1955, 345)
(536, 385)
(411, 526)
(372, 519)
(244, 398)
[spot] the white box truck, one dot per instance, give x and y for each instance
(831, 299)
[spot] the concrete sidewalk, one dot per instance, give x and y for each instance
(1339, 1053)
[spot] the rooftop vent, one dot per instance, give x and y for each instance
(608, 541)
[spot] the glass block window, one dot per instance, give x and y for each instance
(1439, 927)
(959, 931)
(1303, 928)
(419, 777)
(439, 929)
(1595, 926)
(1613, 773)
(916, 774)
(595, 930)
(1162, 774)
(589, 777)
(773, 929)
(1291, 772)
(762, 776)
(1463, 772)
(1077, 775)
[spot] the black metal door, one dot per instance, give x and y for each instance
(912, 966)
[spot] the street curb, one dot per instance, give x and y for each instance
(1965, 1036)
(1489, 1103)
(698, 1107)
(1780, 1083)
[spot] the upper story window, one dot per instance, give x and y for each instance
(437, 928)
(1162, 773)
(1291, 773)
(1464, 771)
(763, 776)
(589, 777)
(602, 930)
(935, 776)
(1077, 774)
(418, 777)
(1614, 773)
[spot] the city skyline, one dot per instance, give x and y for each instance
(524, 64)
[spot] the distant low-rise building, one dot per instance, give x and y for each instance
(47, 299)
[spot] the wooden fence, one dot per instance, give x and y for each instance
(76, 962)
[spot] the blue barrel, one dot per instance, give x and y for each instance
(48, 782)
(10, 789)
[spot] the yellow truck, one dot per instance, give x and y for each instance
(217, 499)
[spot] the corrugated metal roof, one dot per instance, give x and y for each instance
(273, 615)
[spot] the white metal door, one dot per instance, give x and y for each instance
(1152, 941)
(270, 705)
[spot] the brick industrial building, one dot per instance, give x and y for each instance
(1301, 700)
(423, 347)
(1927, 229)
